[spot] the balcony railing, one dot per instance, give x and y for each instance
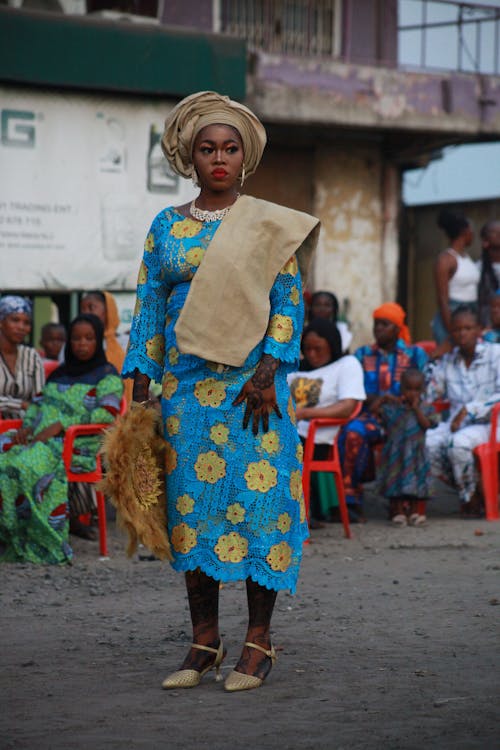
(307, 28)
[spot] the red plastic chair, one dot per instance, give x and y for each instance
(332, 463)
(49, 366)
(487, 454)
(90, 477)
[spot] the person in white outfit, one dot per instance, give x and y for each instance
(469, 378)
(456, 275)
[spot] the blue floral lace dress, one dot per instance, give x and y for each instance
(234, 500)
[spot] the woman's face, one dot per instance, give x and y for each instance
(322, 307)
(385, 332)
(93, 306)
(218, 157)
(15, 327)
(83, 341)
(316, 350)
(468, 236)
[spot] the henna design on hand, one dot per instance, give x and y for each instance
(140, 390)
(263, 376)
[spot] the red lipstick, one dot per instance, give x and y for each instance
(219, 174)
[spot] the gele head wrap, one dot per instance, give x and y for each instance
(395, 313)
(209, 108)
(11, 303)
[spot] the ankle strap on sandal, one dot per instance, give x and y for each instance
(269, 652)
(205, 648)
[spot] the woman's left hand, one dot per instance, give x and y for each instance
(260, 402)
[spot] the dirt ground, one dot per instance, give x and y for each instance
(392, 641)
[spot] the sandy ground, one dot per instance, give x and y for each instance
(392, 641)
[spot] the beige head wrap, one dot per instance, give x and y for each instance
(209, 108)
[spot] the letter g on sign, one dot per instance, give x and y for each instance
(17, 129)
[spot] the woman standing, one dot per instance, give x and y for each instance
(456, 275)
(489, 269)
(21, 369)
(218, 320)
(86, 389)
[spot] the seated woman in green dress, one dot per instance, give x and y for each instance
(86, 389)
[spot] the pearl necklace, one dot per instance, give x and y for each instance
(204, 215)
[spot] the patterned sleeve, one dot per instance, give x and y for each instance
(419, 358)
(436, 385)
(146, 347)
(39, 374)
(282, 339)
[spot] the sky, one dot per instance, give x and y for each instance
(469, 172)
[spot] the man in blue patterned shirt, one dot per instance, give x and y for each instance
(469, 378)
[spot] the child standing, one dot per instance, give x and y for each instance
(405, 470)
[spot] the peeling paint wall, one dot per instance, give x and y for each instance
(357, 257)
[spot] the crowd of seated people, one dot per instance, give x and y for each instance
(397, 438)
(403, 437)
(70, 380)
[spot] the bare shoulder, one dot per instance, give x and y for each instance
(446, 261)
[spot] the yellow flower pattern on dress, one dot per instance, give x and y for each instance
(261, 476)
(219, 433)
(229, 494)
(296, 484)
(299, 452)
(231, 547)
(185, 228)
(210, 392)
(284, 522)
(183, 538)
(291, 266)
(280, 556)
(172, 425)
(185, 505)
(280, 328)
(235, 513)
(170, 458)
(142, 276)
(169, 385)
(294, 295)
(195, 256)
(173, 356)
(155, 348)
(270, 442)
(210, 467)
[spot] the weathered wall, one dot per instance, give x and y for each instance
(356, 196)
(357, 259)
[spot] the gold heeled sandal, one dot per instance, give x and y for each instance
(239, 681)
(189, 678)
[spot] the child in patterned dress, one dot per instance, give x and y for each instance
(405, 471)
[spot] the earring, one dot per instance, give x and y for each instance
(242, 179)
(194, 176)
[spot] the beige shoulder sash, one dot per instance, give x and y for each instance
(226, 312)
